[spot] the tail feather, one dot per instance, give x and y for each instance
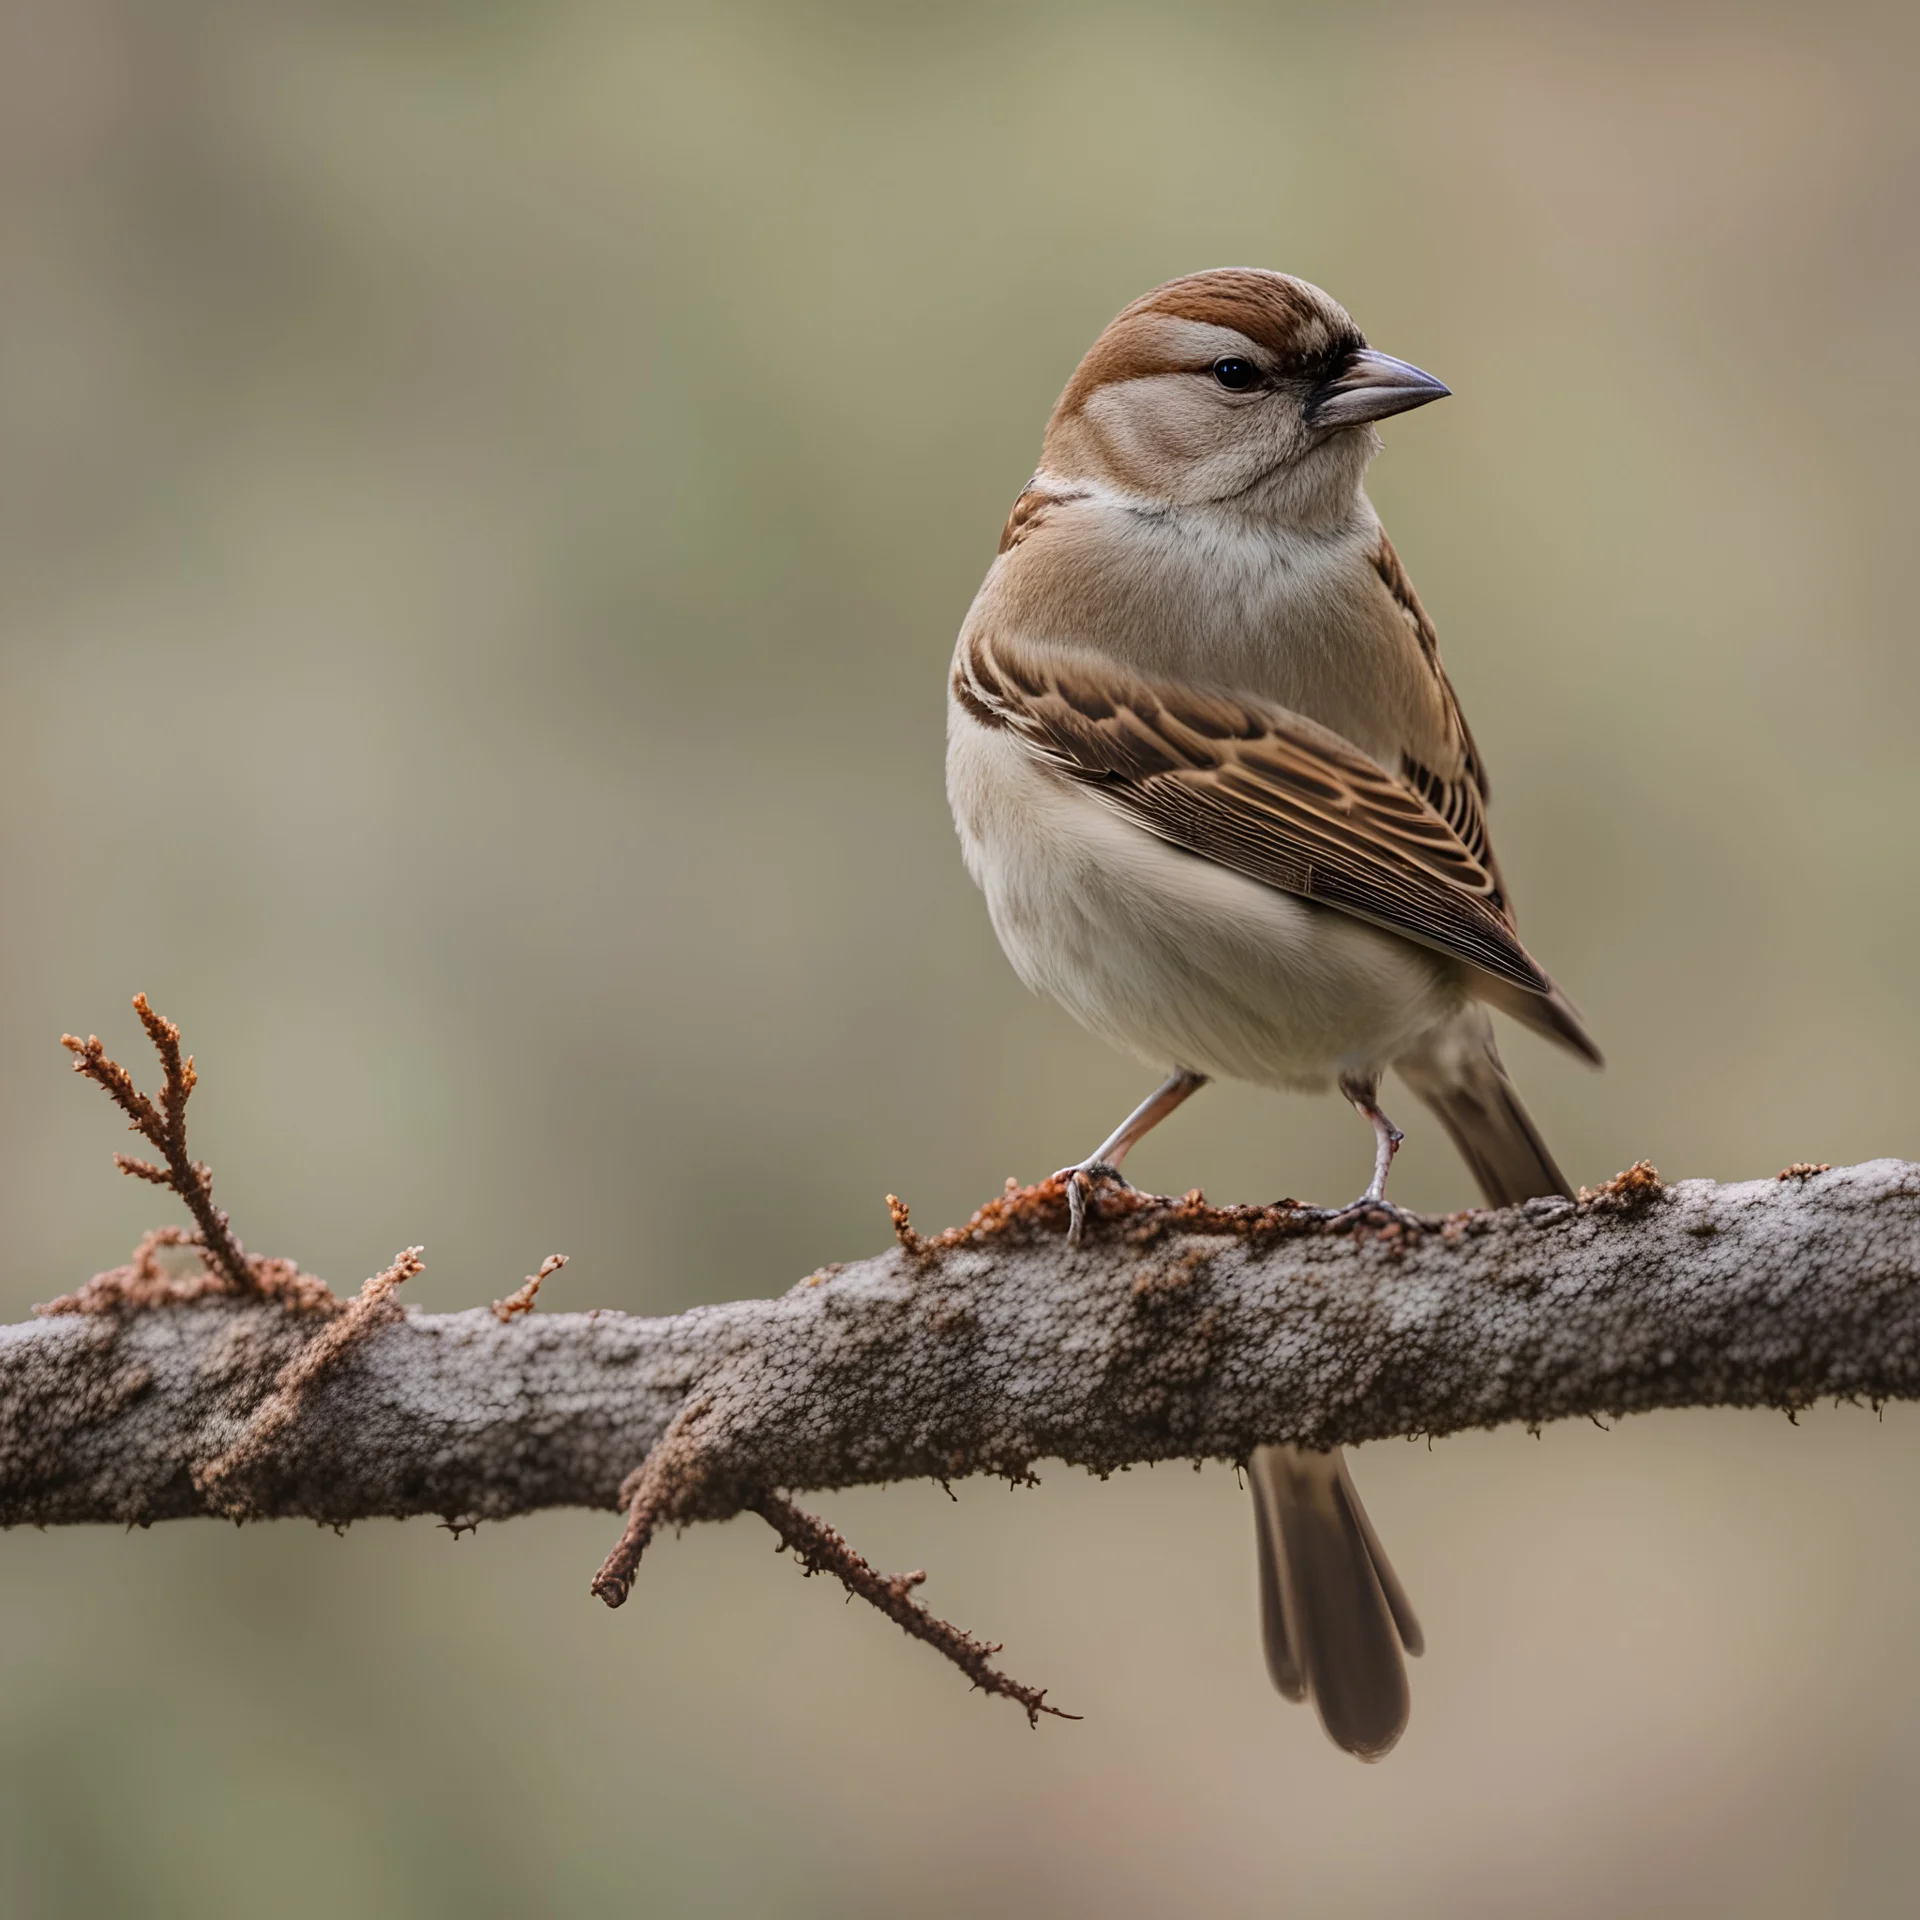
(1334, 1616)
(1283, 1657)
(1457, 1073)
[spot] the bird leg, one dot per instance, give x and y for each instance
(1103, 1163)
(1363, 1092)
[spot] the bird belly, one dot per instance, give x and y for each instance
(1172, 957)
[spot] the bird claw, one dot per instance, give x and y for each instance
(1080, 1181)
(1363, 1208)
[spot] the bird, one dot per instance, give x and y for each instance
(1218, 791)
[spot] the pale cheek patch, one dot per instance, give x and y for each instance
(1154, 429)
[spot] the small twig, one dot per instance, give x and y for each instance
(521, 1299)
(821, 1549)
(278, 1411)
(652, 1493)
(614, 1582)
(164, 1127)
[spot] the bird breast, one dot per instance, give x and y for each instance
(1213, 598)
(1171, 957)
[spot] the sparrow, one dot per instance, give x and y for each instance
(1225, 809)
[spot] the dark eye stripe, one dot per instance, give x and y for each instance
(1323, 362)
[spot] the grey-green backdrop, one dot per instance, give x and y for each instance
(486, 493)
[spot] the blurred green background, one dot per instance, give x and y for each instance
(486, 495)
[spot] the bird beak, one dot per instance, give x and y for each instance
(1370, 387)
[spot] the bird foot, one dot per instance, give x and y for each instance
(1366, 1208)
(1081, 1180)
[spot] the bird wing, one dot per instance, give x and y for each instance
(1258, 789)
(1459, 799)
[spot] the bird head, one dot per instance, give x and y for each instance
(1237, 385)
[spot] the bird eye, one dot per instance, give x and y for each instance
(1235, 374)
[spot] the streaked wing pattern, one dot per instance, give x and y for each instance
(1461, 802)
(1265, 792)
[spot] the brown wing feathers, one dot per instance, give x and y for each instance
(1461, 802)
(1262, 791)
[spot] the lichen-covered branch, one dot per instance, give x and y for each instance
(1175, 1331)
(245, 1387)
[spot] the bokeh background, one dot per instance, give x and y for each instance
(486, 494)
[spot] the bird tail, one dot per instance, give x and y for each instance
(1334, 1616)
(1456, 1071)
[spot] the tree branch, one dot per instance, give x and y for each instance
(1176, 1330)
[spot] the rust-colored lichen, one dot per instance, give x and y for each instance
(146, 1282)
(903, 1226)
(1025, 1214)
(1634, 1187)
